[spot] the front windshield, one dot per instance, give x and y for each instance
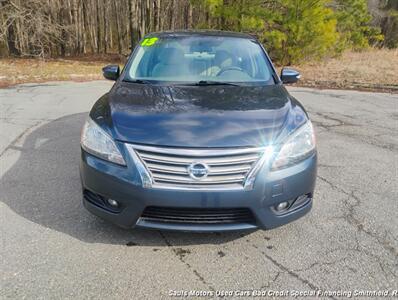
(191, 59)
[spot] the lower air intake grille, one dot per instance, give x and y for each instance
(198, 215)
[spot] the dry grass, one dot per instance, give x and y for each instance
(14, 71)
(374, 69)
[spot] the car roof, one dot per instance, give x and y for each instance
(217, 33)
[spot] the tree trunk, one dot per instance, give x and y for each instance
(98, 26)
(149, 13)
(118, 29)
(142, 18)
(105, 21)
(76, 23)
(11, 37)
(62, 18)
(190, 15)
(172, 15)
(133, 23)
(156, 15)
(86, 28)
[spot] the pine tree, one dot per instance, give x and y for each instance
(353, 25)
(292, 30)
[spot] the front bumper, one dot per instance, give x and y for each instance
(123, 184)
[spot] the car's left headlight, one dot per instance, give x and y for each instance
(97, 142)
(297, 147)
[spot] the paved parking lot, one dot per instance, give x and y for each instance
(51, 247)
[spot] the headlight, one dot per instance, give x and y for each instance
(297, 147)
(97, 142)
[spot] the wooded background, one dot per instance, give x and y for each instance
(291, 30)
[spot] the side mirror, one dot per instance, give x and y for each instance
(289, 75)
(111, 72)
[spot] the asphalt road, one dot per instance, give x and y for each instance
(52, 248)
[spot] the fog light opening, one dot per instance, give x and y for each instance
(113, 203)
(282, 206)
(301, 200)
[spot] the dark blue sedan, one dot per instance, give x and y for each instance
(198, 133)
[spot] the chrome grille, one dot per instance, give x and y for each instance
(168, 167)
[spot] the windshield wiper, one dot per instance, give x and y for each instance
(210, 82)
(199, 83)
(139, 81)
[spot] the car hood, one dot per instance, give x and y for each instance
(198, 116)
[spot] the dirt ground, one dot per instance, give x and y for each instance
(24, 70)
(373, 70)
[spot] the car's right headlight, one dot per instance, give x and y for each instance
(97, 142)
(297, 147)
